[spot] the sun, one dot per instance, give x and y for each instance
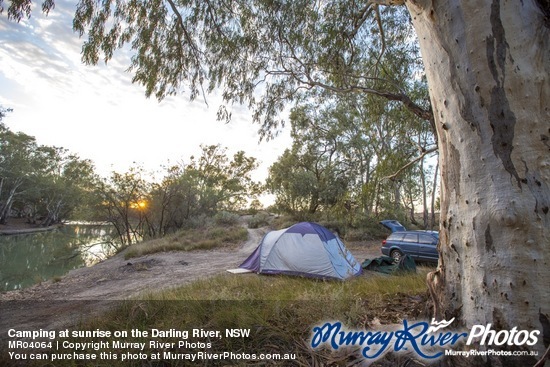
(142, 204)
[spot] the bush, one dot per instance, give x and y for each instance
(335, 226)
(259, 220)
(200, 221)
(224, 218)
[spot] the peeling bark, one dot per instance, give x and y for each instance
(488, 67)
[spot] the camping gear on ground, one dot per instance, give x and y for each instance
(387, 265)
(306, 249)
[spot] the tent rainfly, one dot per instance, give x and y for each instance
(306, 249)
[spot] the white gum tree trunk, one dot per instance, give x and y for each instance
(488, 68)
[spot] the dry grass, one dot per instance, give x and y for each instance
(192, 239)
(280, 312)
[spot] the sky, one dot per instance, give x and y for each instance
(97, 113)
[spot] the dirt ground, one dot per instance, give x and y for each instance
(88, 291)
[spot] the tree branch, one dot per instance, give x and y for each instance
(400, 97)
(382, 36)
(364, 14)
(421, 156)
(190, 41)
(183, 29)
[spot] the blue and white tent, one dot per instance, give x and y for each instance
(306, 249)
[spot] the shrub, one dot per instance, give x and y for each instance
(224, 218)
(200, 221)
(259, 220)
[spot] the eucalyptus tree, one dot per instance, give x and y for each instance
(18, 164)
(340, 157)
(124, 202)
(171, 203)
(222, 182)
(313, 169)
(65, 184)
(307, 181)
(292, 185)
(487, 69)
(205, 185)
(374, 145)
(40, 181)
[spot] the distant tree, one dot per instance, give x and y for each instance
(38, 181)
(222, 184)
(255, 206)
(311, 175)
(293, 185)
(18, 166)
(174, 202)
(125, 199)
(207, 184)
(66, 184)
(353, 157)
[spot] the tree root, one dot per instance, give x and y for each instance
(545, 356)
(433, 281)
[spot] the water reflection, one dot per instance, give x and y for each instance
(31, 258)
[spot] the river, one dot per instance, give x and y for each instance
(31, 258)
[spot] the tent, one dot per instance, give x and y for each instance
(305, 248)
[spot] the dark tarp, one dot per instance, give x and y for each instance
(386, 265)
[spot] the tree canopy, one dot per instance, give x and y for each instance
(260, 53)
(347, 160)
(38, 181)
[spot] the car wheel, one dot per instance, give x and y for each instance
(396, 255)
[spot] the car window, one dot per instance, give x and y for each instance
(426, 238)
(410, 237)
(396, 236)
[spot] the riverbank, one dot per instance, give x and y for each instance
(11, 232)
(118, 279)
(17, 226)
